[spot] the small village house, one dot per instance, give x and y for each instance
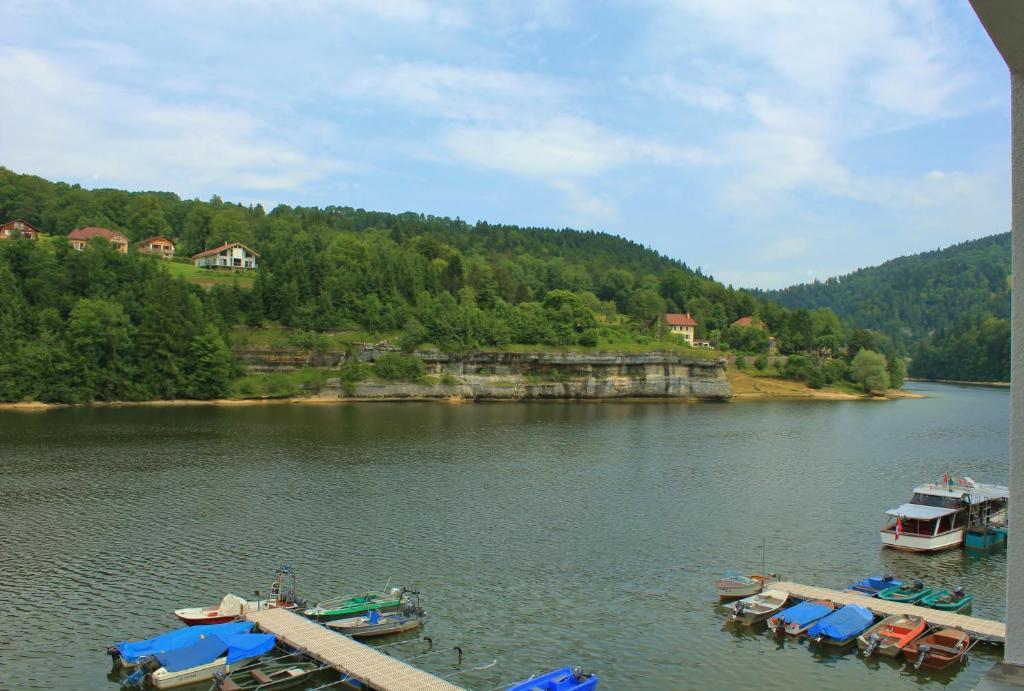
(230, 255)
(158, 245)
(681, 325)
(80, 237)
(750, 322)
(18, 228)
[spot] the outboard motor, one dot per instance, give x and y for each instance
(579, 675)
(888, 577)
(149, 664)
(873, 641)
(921, 655)
(959, 592)
(918, 584)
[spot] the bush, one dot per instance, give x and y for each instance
(399, 367)
(834, 370)
(761, 362)
(449, 380)
(798, 367)
(815, 378)
(741, 363)
(588, 338)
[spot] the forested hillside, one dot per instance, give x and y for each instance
(120, 327)
(948, 309)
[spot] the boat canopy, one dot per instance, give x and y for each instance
(131, 652)
(231, 604)
(804, 613)
(876, 582)
(843, 623)
(239, 646)
(920, 512)
(975, 491)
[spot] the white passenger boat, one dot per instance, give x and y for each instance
(940, 513)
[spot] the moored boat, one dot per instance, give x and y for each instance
(355, 605)
(733, 584)
(564, 679)
(200, 661)
(938, 650)
(266, 677)
(127, 655)
(940, 515)
(798, 618)
(889, 636)
(232, 606)
(908, 593)
(956, 600)
(842, 626)
(755, 608)
(872, 585)
(376, 624)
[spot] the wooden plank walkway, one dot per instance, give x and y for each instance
(985, 629)
(358, 661)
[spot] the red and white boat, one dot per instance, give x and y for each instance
(233, 607)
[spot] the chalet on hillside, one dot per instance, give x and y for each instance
(682, 325)
(159, 245)
(230, 255)
(750, 321)
(18, 228)
(79, 238)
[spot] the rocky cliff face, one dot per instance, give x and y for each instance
(531, 375)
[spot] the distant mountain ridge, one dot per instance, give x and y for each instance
(947, 308)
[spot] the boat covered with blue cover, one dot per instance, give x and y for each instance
(842, 626)
(872, 585)
(130, 653)
(238, 646)
(564, 679)
(798, 618)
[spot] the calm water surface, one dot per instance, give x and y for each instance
(540, 534)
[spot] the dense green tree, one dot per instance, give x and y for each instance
(870, 370)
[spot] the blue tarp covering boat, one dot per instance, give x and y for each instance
(804, 613)
(239, 646)
(842, 625)
(564, 679)
(872, 585)
(131, 652)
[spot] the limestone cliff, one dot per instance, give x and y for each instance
(523, 375)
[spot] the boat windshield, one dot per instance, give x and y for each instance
(932, 500)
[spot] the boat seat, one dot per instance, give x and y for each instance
(260, 676)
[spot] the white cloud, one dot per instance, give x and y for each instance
(67, 125)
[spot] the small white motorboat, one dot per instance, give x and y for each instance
(756, 608)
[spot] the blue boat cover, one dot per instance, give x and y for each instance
(242, 646)
(179, 638)
(843, 623)
(239, 646)
(201, 652)
(804, 613)
(875, 583)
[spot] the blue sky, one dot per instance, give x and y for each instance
(767, 142)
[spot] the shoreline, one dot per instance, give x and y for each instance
(960, 382)
(747, 387)
(808, 394)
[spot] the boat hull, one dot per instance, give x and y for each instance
(906, 597)
(985, 538)
(921, 543)
(946, 647)
(193, 616)
(356, 627)
(893, 633)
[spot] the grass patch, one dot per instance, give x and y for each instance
(209, 277)
(301, 382)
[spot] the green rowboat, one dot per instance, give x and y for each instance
(948, 600)
(356, 605)
(907, 592)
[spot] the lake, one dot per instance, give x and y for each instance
(540, 534)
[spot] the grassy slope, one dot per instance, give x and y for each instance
(208, 278)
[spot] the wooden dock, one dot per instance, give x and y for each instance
(984, 629)
(355, 660)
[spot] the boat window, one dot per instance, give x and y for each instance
(930, 500)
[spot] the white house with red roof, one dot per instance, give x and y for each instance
(681, 325)
(18, 229)
(230, 255)
(79, 238)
